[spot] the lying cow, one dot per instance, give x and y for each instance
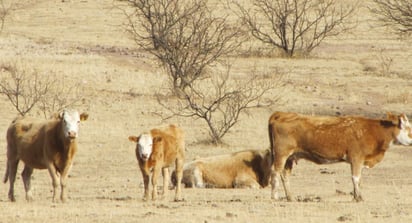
(245, 169)
(40, 144)
(359, 141)
(157, 150)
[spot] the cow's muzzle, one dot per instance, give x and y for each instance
(72, 135)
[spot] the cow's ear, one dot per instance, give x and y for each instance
(84, 116)
(55, 115)
(157, 139)
(133, 138)
(404, 122)
(60, 115)
(393, 118)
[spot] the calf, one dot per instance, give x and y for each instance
(49, 144)
(359, 141)
(245, 169)
(158, 150)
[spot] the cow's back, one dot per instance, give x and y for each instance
(173, 145)
(25, 139)
(326, 136)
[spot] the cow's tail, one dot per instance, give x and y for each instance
(6, 175)
(271, 139)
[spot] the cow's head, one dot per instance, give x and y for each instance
(144, 145)
(405, 129)
(70, 122)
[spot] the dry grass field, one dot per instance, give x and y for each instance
(83, 41)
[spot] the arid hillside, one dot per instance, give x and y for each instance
(365, 72)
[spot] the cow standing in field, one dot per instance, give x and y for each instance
(359, 141)
(40, 144)
(244, 169)
(157, 150)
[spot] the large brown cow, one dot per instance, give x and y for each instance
(157, 150)
(41, 144)
(244, 169)
(359, 141)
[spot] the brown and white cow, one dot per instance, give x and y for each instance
(41, 144)
(244, 169)
(158, 150)
(359, 141)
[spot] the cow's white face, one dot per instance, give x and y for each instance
(405, 135)
(71, 122)
(145, 146)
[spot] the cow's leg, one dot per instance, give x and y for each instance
(26, 175)
(146, 179)
(55, 179)
(166, 177)
(285, 178)
(12, 168)
(277, 169)
(197, 180)
(156, 172)
(356, 176)
(63, 182)
(179, 175)
(245, 181)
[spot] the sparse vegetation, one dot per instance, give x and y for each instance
(188, 39)
(219, 101)
(27, 89)
(295, 25)
(4, 13)
(185, 36)
(396, 14)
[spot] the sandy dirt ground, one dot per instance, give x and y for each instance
(83, 41)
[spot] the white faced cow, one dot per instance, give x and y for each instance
(40, 144)
(359, 141)
(157, 150)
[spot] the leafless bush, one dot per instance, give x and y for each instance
(183, 35)
(295, 25)
(396, 14)
(219, 100)
(29, 90)
(4, 12)
(23, 88)
(61, 95)
(385, 64)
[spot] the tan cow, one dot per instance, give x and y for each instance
(245, 169)
(158, 150)
(359, 141)
(40, 144)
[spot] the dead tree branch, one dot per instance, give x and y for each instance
(295, 25)
(396, 14)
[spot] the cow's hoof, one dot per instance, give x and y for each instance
(358, 199)
(12, 199)
(179, 200)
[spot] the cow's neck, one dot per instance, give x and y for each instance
(392, 130)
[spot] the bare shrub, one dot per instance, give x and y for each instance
(62, 95)
(29, 90)
(190, 41)
(396, 14)
(23, 88)
(183, 35)
(295, 25)
(4, 13)
(7, 8)
(385, 64)
(220, 100)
